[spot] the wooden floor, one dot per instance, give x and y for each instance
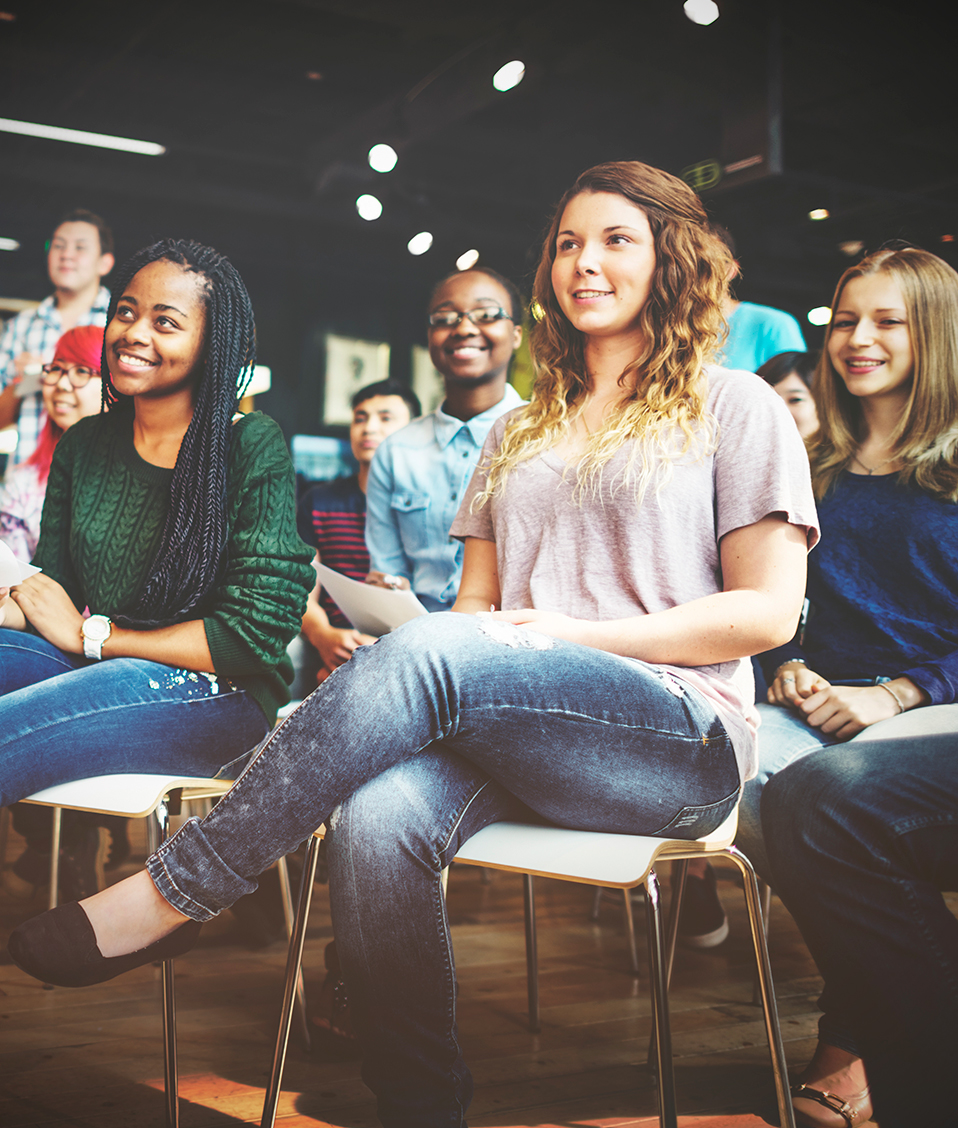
(93, 1057)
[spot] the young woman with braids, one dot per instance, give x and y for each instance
(176, 528)
(638, 528)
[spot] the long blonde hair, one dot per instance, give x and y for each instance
(682, 323)
(926, 438)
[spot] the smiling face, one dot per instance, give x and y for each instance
(154, 342)
(75, 262)
(869, 343)
(468, 354)
(66, 404)
(798, 400)
(373, 420)
(604, 265)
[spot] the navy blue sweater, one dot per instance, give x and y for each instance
(883, 588)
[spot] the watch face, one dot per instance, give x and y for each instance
(96, 628)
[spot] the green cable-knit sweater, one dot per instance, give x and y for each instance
(101, 526)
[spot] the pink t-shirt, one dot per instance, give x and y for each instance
(600, 556)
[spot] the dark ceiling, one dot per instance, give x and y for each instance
(268, 108)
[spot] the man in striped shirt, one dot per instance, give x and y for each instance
(332, 518)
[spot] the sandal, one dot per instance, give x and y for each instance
(332, 1023)
(853, 1110)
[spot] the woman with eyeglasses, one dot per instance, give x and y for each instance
(638, 528)
(71, 389)
(172, 574)
(420, 474)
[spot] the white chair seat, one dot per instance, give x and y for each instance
(616, 860)
(133, 796)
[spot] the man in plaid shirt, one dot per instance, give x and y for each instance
(80, 255)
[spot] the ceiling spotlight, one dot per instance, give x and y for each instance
(467, 259)
(314, 76)
(369, 207)
(510, 75)
(536, 310)
(419, 244)
(8, 17)
(702, 12)
(818, 213)
(81, 137)
(947, 239)
(382, 158)
(820, 315)
(851, 247)
(9, 245)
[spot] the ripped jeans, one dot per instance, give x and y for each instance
(445, 725)
(64, 718)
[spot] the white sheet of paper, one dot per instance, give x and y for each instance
(12, 570)
(372, 610)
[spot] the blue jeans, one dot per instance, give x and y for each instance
(784, 737)
(65, 718)
(862, 838)
(445, 725)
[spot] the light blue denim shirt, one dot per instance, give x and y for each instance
(417, 479)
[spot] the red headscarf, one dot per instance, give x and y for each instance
(82, 346)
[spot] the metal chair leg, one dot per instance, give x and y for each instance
(55, 858)
(532, 951)
(772, 1027)
(171, 1080)
(6, 817)
(282, 870)
(630, 930)
(765, 893)
(680, 869)
(293, 963)
(660, 1004)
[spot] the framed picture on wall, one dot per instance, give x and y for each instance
(351, 364)
(426, 381)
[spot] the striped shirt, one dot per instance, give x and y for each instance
(37, 331)
(332, 518)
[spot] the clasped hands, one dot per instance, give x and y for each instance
(839, 710)
(46, 606)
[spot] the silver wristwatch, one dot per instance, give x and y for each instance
(95, 631)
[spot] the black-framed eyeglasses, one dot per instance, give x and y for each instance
(78, 374)
(481, 315)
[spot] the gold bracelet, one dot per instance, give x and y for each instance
(898, 700)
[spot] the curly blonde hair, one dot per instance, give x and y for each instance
(682, 322)
(926, 438)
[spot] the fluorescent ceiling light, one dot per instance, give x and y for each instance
(81, 137)
(9, 245)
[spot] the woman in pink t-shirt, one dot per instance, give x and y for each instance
(627, 544)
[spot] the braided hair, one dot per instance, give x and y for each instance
(193, 543)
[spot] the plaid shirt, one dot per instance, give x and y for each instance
(37, 331)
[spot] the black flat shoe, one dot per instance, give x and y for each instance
(59, 947)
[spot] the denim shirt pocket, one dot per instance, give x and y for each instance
(411, 510)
